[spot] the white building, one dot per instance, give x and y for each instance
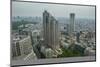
(22, 47)
(72, 23)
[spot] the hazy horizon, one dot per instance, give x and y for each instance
(56, 10)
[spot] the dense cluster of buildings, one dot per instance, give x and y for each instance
(31, 42)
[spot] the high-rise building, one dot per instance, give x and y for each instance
(21, 46)
(15, 49)
(50, 26)
(72, 23)
(25, 45)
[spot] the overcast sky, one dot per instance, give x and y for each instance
(57, 10)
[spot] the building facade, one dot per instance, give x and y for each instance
(72, 23)
(22, 46)
(51, 34)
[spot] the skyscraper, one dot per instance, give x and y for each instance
(50, 26)
(15, 49)
(72, 23)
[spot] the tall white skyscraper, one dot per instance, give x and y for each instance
(50, 26)
(72, 23)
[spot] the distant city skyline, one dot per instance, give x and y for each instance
(51, 31)
(57, 10)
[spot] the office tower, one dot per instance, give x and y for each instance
(25, 45)
(72, 23)
(50, 26)
(15, 49)
(21, 46)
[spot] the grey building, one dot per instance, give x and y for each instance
(21, 46)
(25, 45)
(72, 23)
(15, 49)
(50, 27)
